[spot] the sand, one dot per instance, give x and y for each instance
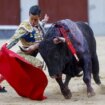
(54, 96)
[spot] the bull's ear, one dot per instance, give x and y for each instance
(58, 25)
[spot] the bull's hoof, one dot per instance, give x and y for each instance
(90, 93)
(97, 79)
(66, 93)
(98, 82)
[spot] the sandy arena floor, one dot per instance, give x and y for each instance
(77, 86)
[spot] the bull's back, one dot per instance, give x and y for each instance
(88, 35)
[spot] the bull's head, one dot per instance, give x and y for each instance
(54, 52)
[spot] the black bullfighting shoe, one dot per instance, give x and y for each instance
(2, 90)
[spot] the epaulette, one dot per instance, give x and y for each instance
(26, 25)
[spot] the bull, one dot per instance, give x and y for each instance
(60, 60)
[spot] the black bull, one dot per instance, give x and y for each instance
(60, 60)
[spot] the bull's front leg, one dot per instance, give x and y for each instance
(66, 82)
(65, 90)
(87, 69)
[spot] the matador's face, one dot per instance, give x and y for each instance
(34, 19)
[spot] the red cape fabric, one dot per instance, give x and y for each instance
(27, 80)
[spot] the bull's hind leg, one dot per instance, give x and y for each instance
(65, 91)
(87, 68)
(95, 69)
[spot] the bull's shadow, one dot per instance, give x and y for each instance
(60, 60)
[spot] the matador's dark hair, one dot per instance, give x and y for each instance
(35, 10)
